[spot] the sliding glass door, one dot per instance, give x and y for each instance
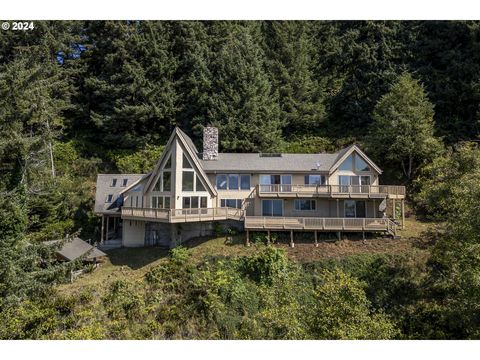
(354, 183)
(355, 209)
(272, 207)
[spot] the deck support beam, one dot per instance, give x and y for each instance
(269, 238)
(316, 238)
(403, 214)
(247, 242)
(292, 244)
(374, 209)
(338, 208)
(339, 235)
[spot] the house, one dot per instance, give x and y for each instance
(189, 190)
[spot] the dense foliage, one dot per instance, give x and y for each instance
(79, 98)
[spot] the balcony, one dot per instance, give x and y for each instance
(181, 215)
(332, 191)
(320, 224)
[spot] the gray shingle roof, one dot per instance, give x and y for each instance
(76, 248)
(104, 189)
(255, 162)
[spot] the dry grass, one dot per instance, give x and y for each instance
(133, 263)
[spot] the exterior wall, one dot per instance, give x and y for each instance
(133, 233)
(324, 208)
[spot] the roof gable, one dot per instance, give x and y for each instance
(344, 153)
(192, 154)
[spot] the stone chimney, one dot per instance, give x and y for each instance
(210, 143)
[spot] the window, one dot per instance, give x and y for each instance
(186, 163)
(231, 203)
(315, 179)
(157, 186)
(360, 164)
(114, 183)
(284, 181)
(355, 181)
(124, 183)
(272, 207)
(187, 181)
(198, 184)
(347, 164)
(305, 205)
(194, 202)
(221, 182)
(157, 202)
(232, 182)
(109, 198)
(245, 182)
(167, 181)
(168, 164)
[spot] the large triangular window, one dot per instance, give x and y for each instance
(186, 163)
(168, 164)
(347, 164)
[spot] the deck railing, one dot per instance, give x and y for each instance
(327, 190)
(315, 223)
(198, 214)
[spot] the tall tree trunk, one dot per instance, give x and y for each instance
(50, 149)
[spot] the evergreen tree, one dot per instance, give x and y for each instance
(130, 90)
(194, 77)
(403, 129)
(244, 105)
(357, 60)
(290, 60)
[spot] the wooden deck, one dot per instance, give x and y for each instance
(332, 191)
(321, 224)
(181, 215)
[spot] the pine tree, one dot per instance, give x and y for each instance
(243, 104)
(290, 60)
(130, 91)
(191, 46)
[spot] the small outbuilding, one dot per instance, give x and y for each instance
(77, 248)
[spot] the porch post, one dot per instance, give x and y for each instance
(291, 239)
(316, 238)
(247, 243)
(403, 214)
(394, 209)
(108, 221)
(338, 209)
(103, 229)
(374, 209)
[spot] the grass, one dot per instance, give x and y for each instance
(133, 263)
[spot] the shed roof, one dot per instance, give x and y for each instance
(76, 248)
(104, 188)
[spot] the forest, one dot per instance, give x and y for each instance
(78, 98)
